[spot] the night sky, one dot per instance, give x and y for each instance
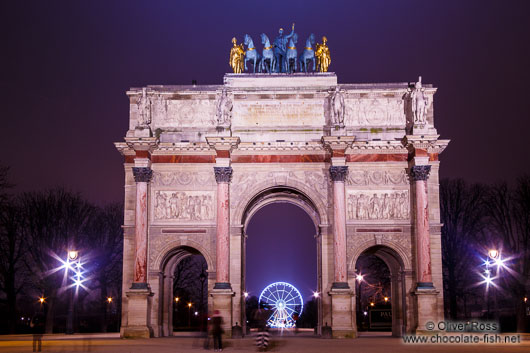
(65, 67)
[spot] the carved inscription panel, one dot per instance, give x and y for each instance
(183, 205)
(378, 204)
(278, 113)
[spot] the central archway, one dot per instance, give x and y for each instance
(296, 201)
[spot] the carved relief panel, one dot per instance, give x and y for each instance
(377, 204)
(183, 113)
(375, 111)
(183, 206)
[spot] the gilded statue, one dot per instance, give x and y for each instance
(323, 56)
(236, 57)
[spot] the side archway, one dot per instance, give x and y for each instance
(399, 267)
(167, 263)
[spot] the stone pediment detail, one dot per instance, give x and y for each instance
(377, 177)
(184, 178)
(245, 181)
(397, 241)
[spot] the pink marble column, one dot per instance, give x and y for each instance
(338, 175)
(223, 176)
(420, 174)
(142, 176)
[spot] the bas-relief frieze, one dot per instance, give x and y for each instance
(377, 204)
(375, 112)
(183, 113)
(183, 178)
(377, 177)
(243, 182)
(183, 205)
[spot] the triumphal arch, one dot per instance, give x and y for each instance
(360, 159)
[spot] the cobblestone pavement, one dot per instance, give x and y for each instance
(111, 343)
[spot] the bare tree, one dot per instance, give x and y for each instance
(509, 214)
(12, 250)
(462, 216)
(54, 222)
(105, 241)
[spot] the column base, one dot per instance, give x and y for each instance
(222, 285)
(341, 313)
(427, 309)
(138, 314)
(222, 301)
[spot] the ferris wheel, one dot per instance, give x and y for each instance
(285, 301)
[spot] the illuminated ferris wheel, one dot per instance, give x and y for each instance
(285, 302)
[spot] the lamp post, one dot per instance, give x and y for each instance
(189, 315)
(493, 254)
(72, 258)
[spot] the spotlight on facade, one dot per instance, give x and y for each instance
(386, 299)
(109, 300)
(189, 305)
(41, 300)
(372, 304)
(359, 278)
(177, 299)
(316, 294)
(245, 294)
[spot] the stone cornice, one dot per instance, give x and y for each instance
(280, 147)
(124, 149)
(377, 147)
(168, 148)
(430, 143)
(337, 143)
(142, 143)
(223, 143)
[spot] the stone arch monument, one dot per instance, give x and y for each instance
(199, 161)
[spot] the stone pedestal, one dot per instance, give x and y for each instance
(138, 307)
(341, 313)
(427, 309)
(222, 301)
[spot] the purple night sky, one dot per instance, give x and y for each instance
(67, 64)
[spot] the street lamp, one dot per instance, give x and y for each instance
(493, 253)
(109, 300)
(72, 255)
(189, 314)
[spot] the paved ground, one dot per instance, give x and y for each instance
(368, 344)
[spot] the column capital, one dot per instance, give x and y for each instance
(223, 174)
(420, 172)
(338, 173)
(142, 174)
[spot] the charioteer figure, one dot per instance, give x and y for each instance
(280, 49)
